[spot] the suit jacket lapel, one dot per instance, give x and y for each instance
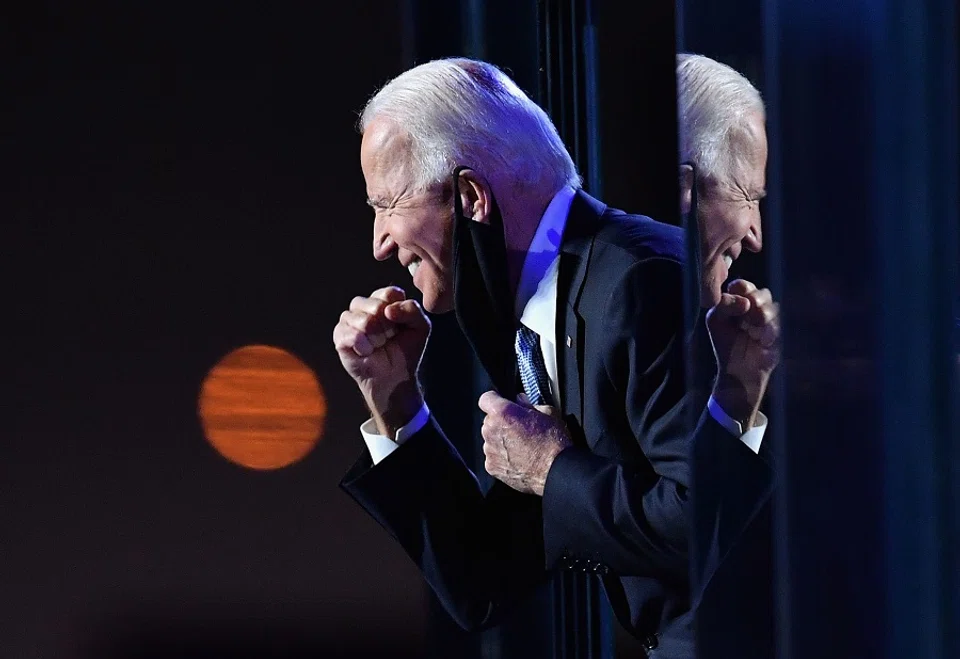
(575, 250)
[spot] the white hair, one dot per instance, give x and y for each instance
(714, 103)
(459, 111)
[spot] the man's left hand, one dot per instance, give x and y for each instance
(521, 441)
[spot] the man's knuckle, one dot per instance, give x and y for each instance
(366, 323)
(343, 340)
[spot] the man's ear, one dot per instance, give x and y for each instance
(686, 188)
(475, 196)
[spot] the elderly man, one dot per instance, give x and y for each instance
(724, 151)
(475, 194)
(590, 300)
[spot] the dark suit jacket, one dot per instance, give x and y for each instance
(732, 546)
(613, 504)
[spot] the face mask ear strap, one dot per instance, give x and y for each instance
(692, 227)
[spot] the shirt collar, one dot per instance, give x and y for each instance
(536, 301)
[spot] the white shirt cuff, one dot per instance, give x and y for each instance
(380, 446)
(752, 437)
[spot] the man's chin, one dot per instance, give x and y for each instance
(437, 305)
(439, 310)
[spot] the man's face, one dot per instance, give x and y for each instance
(729, 213)
(415, 225)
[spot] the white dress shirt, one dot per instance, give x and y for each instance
(536, 307)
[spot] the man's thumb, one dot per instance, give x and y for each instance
(731, 306)
(549, 410)
(407, 314)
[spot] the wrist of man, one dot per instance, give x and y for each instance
(737, 400)
(395, 409)
(550, 456)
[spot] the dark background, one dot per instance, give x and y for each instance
(181, 179)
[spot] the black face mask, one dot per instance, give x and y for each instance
(481, 291)
(701, 367)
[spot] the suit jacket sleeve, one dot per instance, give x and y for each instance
(632, 517)
(731, 485)
(478, 552)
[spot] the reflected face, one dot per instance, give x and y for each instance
(729, 212)
(415, 225)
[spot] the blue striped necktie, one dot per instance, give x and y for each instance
(533, 371)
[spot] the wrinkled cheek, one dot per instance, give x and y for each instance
(712, 285)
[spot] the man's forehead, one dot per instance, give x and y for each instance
(753, 158)
(383, 135)
(756, 125)
(385, 157)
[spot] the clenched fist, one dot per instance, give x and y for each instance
(520, 442)
(745, 331)
(380, 340)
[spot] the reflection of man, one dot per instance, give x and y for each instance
(724, 150)
(476, 195)
(723, 137)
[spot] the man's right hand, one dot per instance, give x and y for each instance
(380, 340)
(745, 332)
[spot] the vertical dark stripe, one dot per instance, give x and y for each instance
(773, 246)
(865, 92)
(915, 201)
(592, 121)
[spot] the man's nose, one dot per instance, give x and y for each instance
(754, 238)
(383, 244)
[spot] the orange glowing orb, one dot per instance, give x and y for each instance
(262, 408)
